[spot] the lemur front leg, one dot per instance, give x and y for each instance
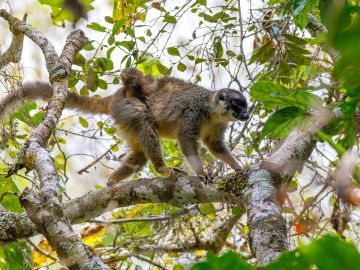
(216, 144)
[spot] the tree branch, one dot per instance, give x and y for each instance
(13, 53)
(45, 208)
(268, 233)
(186, 190)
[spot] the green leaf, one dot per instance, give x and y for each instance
(103, 84)
(89, 47)
(326, 253)
(16, 256)
(84, 91)
(163, 69)
(181, 67)
(330, 253)
(218, 48)
(92, 80)
(273, 95)
(83, 122)
(300, 9)
(127, 44)
(23, 114)
(79, 60)
(289, 260)
(296, 49)
(282, 122)
(173, 51)
(36, 118)
(263, 54)
(109, 51)
(9, 201)
(111, 40)
(337, 147)
(274, 2)
(207, 17)
(117, 26)
(199, 60)
(293, 186)
(170, 19)
(347, 43)
(109, 19)
(353, 91)
(206, 208)
(295, 39)
(201, 2)
(237, 210)
(130, 32)
(229, 260)
(105, 63)
(97, 27)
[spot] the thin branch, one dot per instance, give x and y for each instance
(98, 159)
(146, 219)
(186, 190)
(46, 254)
(241, 43)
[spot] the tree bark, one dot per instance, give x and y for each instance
(44, 208)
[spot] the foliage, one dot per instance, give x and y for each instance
(326, 253)
(16, 256)
(285, 69)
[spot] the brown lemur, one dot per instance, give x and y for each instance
(146, 108)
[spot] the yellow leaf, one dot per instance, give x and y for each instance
(123, 9)
(199, 253)
(91, 235)
(40, 259)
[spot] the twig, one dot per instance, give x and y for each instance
(147, 219)
(41, 251)
(98, 159)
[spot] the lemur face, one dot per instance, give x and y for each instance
(232, 103)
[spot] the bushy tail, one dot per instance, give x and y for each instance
(44, 91)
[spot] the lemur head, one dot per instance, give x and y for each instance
(231, 104)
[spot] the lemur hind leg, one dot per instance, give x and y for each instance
(136, 122)
(133, 163)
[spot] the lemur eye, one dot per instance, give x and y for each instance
(234, 103)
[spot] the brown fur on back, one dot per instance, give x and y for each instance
(136, 84)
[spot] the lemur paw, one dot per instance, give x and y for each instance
(165, 170)
(179, 171)
(112, 181)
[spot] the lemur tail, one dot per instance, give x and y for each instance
(44, 91)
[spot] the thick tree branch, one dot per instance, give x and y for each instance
(268, 233)
(290, 156)
(267, 227)
(45, 209)
(51, 58)
(186, 190)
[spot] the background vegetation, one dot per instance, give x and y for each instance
(291, 58)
